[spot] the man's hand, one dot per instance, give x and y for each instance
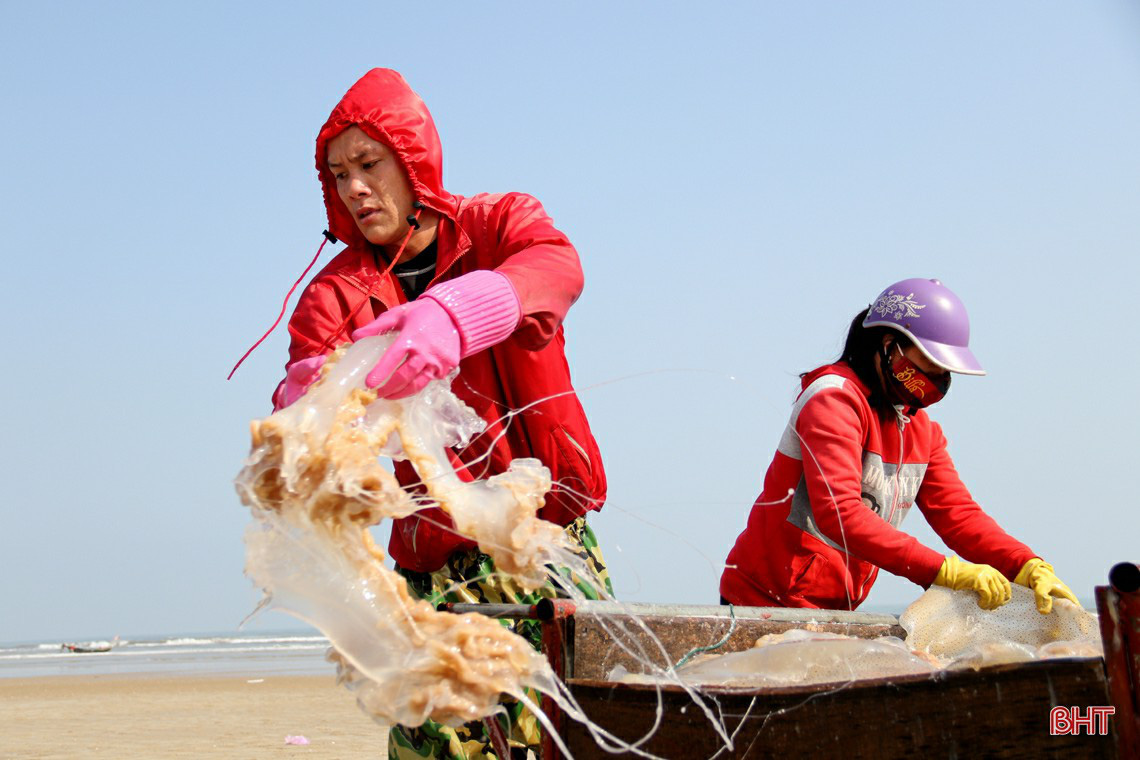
(427, 347)
(300, 375)
(450, 321)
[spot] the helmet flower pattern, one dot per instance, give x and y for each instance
(895, 306)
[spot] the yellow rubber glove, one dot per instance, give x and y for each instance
(991, 586)
(1037, 575)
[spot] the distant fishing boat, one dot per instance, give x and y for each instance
(90, 646)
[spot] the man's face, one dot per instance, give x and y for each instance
(372, 185)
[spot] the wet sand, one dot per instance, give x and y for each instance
(182, 717)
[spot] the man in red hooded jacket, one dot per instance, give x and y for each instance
(482, 283)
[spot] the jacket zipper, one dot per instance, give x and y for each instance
(901, 421)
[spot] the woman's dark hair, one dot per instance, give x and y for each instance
(859, 351)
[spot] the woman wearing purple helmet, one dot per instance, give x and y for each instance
(858, 452)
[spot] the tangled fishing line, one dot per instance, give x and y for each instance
(316, 483)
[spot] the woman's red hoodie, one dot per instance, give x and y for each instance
(842, 481)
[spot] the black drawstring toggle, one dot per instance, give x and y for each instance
(331, 237)
(413, 219)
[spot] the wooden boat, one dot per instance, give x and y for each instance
(1001, 711)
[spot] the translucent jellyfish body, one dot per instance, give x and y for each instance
(799, 657)
(315, 484)
(945, 629)
(950, 625)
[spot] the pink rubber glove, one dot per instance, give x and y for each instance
(426, 348)
(300, 375)
(449, 322)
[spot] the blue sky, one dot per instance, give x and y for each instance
(739, 179)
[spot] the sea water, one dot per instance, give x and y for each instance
(261, 653)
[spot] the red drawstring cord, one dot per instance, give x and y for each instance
(413, 225)
(284, 306)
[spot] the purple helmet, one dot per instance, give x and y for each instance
(928, 312)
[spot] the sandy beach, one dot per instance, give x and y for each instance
(181, 717)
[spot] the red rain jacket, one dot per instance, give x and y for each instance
(844, 477)
(509, 233)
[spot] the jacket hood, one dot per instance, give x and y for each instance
(383, 105)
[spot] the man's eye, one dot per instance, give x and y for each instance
(369, 164)
(340, 176)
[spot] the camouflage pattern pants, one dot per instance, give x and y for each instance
(470, 577)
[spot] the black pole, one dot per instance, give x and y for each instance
(1125, 577)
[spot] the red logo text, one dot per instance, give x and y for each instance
(1070, 720)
